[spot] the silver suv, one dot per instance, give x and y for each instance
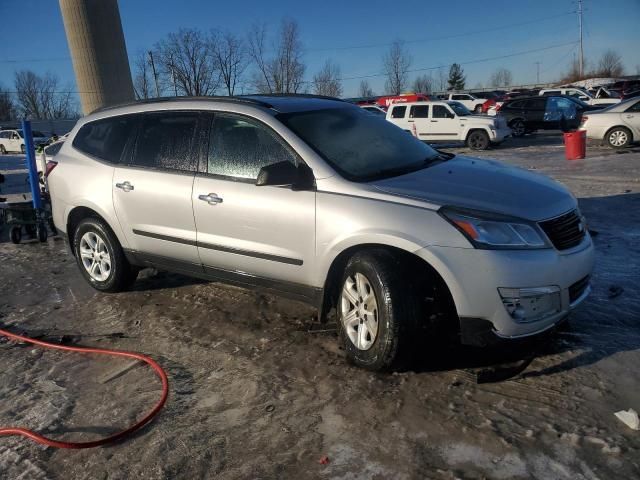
(319, 200)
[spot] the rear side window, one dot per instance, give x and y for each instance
(535, 104)
(53, 149)
(165, 141)
(239, 147)
(634, 108)
(419, 111)
(551, 93)
(398, 112)
(104, 139)
(516, 104)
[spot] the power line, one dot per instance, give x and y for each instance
(422, 69)
(444, 37)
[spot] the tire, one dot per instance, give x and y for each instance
(384, 342)
(95, 246)
(3, 150)
(478, 109)
(15, 234)
(518, 128)
(478, 140)
(42, 233)
(23, 149)
(618, 137)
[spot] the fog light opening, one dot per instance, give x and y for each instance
(531, 304)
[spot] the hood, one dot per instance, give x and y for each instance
(484, 185)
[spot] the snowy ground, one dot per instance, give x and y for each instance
(257, 391)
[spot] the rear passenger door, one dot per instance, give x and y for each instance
(419, 117)
(152, 189)
(534, 113)
(246, 232)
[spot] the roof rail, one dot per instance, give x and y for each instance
(242, 99)
(295, 95)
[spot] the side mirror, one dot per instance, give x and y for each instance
(285, 174)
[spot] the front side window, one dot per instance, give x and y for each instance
(104, 139)
(166, 141)
(4, 134)
(419, 111)
(239, 147)
(440, 111)
(460, 109)
(398, 112)
(360, 147)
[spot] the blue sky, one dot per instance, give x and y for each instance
(328, 26)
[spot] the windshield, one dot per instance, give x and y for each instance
(360, 146)
(460, 109)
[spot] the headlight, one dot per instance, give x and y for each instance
(493, 231)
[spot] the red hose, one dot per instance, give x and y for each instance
(36, 437)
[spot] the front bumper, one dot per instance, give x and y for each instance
(499, 134)
(474, 277)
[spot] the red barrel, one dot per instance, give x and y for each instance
(575, 144)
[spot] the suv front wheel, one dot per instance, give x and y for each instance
(376, 311)
(100, 257)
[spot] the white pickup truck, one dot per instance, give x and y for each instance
(586, 97)
(448, 121)
(472, 103)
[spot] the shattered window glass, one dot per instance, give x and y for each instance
(165, 141)
(104, 139)
(240, 147)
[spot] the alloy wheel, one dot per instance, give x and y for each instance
(618, 138)
(518, 128)
(95, 256)
(359, 311)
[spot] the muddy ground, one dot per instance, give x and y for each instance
(258, 390)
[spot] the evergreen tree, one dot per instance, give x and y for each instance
(456, 77)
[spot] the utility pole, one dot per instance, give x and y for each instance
(155, 75)
(537, 72)
(581, 59)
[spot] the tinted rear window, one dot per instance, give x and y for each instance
(104, 139)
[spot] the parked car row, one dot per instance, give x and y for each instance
(12, 140)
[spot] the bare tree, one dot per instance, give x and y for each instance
(143, 81)
(365, 90)
(40, 97)
(610, 64)
(283, 71)
(501, 77)
(327, 80)
(396, 63)
(230, 58)
(423, 84)
(7, 108)
(186, 59)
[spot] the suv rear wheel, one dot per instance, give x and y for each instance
(518, 128)
(376, 311)
(100, 257)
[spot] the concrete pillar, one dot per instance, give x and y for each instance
(98, 52)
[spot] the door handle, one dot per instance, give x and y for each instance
(433, 121)
(125, 186)
(211, 199)
(410, 120)
(630, 116)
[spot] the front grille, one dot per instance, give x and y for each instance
(565, 231)
(578, 289)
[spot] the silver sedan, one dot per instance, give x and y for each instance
(618, 125)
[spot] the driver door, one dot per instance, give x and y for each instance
(244, 230)
(444, 125)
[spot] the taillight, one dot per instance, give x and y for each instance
(498, 106)
(50, 166)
